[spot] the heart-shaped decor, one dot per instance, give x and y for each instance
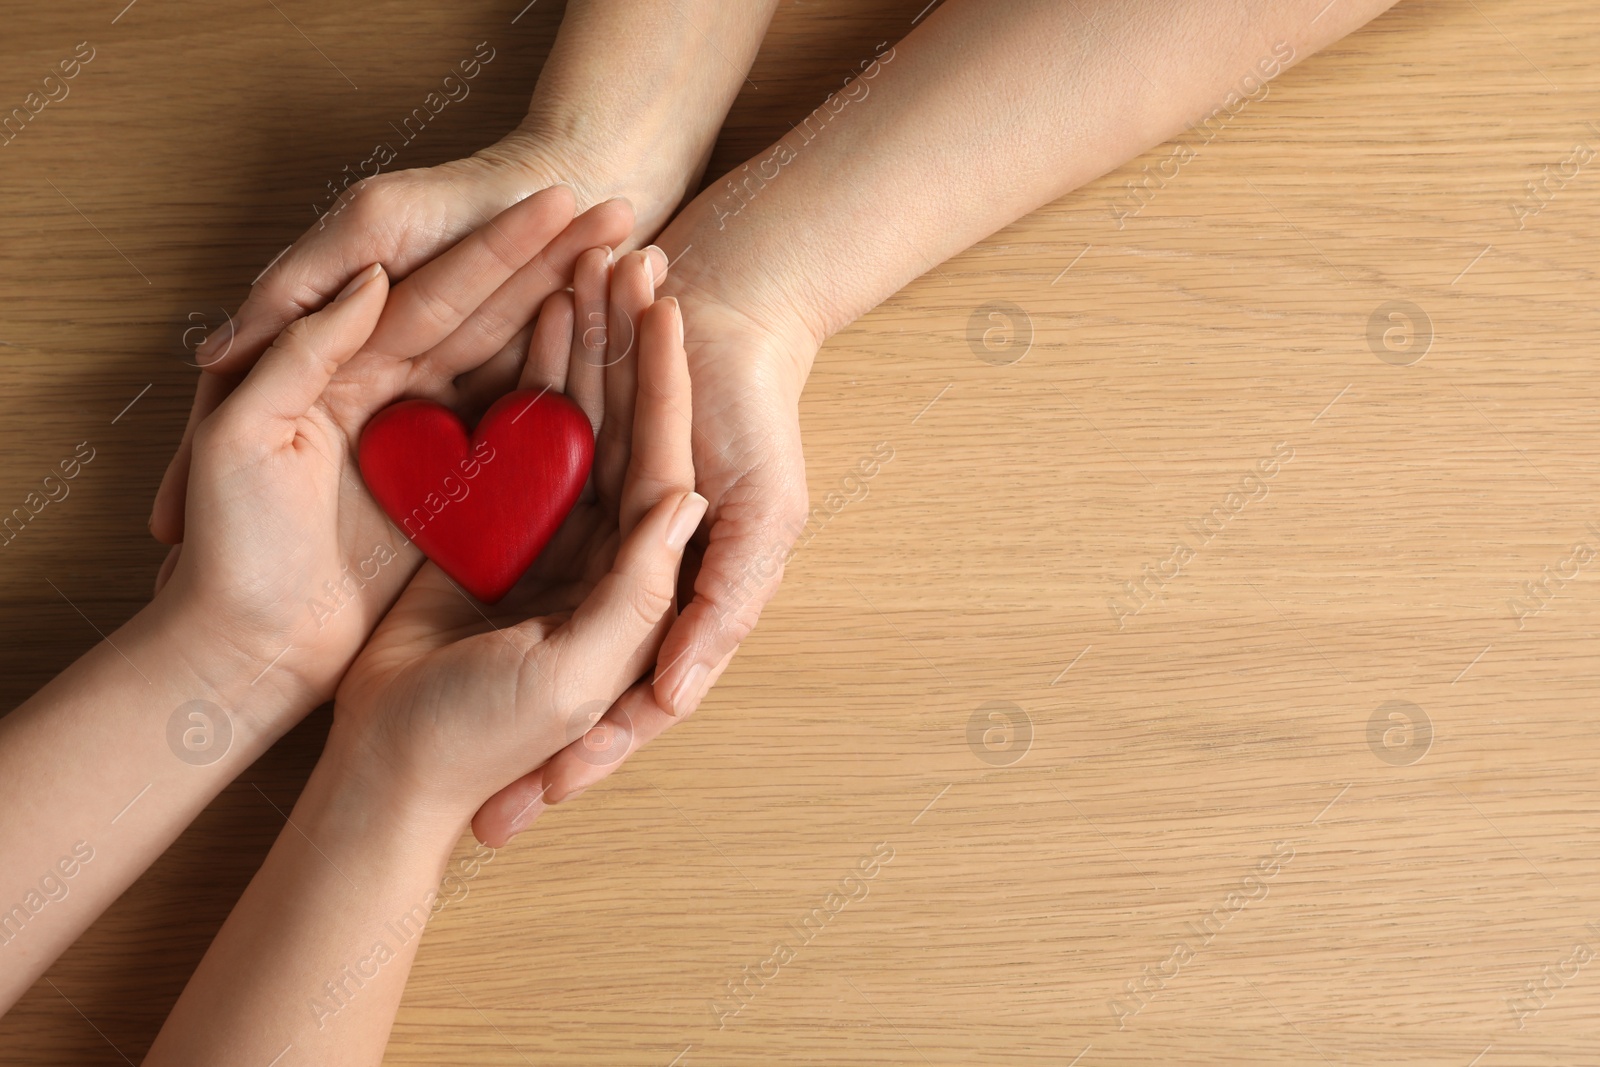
(484, 508)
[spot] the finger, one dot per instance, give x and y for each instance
(293, 373)
(494, 378)
(511, 810)
(396, 219)
(616, 625)
(743, 565)
(633, 722)
(500, 315)
(591, 281)
(166, 514)
(662, 459)
(438, 297)
(168, 565)
(632, 290)
(551, 346)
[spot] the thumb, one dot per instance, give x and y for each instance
(611, 627)
(297, 368)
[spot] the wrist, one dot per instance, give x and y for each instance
(633, 96)
(649, 170)
(213, 665)
(354, 789)
(733, 288)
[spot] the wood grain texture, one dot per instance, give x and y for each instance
(1157, 362)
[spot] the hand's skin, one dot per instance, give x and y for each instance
(246, 620)
(982, 114)
(441, 705)
(627, 105)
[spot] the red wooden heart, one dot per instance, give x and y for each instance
(481, 509)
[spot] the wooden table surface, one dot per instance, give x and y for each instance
(1335, 745)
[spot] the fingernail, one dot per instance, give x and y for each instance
(215, 345)
(358, 281)
(655, 253)
(689, 689)
(526, 816)
(650, 271)
(679, 316)
(685, 520)
(557, 185)
(611, 256)
(564, 797)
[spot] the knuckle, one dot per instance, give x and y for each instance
(278, 303)
(650, 597)
(224, 437)
(372, 198)
(436, 307)
(298, 335)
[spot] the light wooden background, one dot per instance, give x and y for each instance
(1425, 891)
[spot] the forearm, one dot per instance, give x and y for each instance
(103, 768)
(635, 91)
(316, 953)
(980, 115)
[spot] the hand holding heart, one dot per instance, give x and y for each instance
(448, 702)
(284, 554)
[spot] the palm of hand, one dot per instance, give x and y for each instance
(439, 655)
(287, 536)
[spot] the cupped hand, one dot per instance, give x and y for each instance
(747, 368)
(453, 699)
(284, 552)
(402, 220)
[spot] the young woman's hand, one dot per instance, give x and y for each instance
(284, 553)
(452, 700)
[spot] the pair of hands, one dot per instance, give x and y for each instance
(447, 702)
(747, 374)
